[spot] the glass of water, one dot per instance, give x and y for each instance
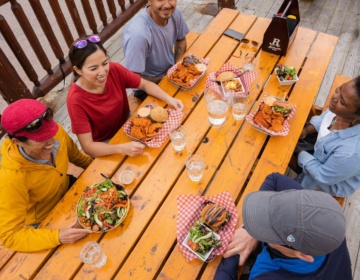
(177, 137)
(195, 166)
(92, 254)
(249, 62)
(240, 101)
(217, 107)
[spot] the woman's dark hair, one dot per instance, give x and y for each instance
(20, 138)
(78, 56)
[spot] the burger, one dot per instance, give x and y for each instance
(214, 215)
(283, 107)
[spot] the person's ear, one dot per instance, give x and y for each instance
(306, 258)
(77, 70)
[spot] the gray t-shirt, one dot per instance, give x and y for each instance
(148, 47)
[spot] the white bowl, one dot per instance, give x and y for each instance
(286, 82)
(201, 257)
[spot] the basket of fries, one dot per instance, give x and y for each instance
(152, 125)
(272, 115)
(187, 72)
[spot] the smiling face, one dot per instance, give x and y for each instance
(161, 10)
(94, 71)
(345, 101)
(37, 150)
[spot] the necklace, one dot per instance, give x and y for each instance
(335, 121)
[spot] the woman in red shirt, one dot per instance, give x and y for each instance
(97, 101)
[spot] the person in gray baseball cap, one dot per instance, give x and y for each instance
(301, 234)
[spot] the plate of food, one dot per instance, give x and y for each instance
(271, 116)
(102, 207)
(187, 72)
(201, 241)
(286, 75)
(233, 85)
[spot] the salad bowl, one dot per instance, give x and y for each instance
(102, 207)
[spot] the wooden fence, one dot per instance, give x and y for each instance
(39, 32)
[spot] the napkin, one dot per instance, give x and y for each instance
(189, 207)
(174, 120)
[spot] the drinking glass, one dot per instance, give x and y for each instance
(249, 62)
(240, 102)
(177, 137)
(92, 254)
(195, 166)
(217, 107)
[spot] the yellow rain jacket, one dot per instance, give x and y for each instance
(29, 191)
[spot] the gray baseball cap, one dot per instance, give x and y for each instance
(311, 222)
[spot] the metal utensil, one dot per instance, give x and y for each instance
(118, 186)
(219, 82)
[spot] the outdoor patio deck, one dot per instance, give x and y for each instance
(337, 17)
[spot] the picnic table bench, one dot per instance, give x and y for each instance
(237, 160)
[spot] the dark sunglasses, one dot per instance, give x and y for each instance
(247, 41)
(84, 42)
(36, 124)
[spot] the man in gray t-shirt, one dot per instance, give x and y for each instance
(154, 40)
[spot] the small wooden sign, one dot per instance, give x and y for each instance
(282, 29)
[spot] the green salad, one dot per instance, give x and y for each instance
(202, 239)
(102, 207)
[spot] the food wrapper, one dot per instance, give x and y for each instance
(174, 120)
(283, 132)
(246, 79)
(192, 82)
(189, 207)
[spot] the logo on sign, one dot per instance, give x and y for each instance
(275, 45)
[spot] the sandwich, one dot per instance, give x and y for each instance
(159, 114)
(214, 216)
(283, 107)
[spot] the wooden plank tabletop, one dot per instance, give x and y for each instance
(237, 159)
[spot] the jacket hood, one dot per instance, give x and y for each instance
(12, 158)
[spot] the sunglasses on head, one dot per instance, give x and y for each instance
(84, 42)
(36, 124)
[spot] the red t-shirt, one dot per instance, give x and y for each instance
(102, 114)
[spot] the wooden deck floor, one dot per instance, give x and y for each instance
(337, 17)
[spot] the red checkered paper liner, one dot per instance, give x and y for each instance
(192, 82)
(283, 132)
(189, 207)
(246, 79)
(174, 120)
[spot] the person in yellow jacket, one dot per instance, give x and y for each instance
(33, 177)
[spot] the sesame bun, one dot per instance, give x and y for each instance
(159, 114)
(144, 112)
(225, 76)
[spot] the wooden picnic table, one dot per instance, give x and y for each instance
(237, 160)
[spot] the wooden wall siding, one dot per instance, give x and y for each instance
(74, 18)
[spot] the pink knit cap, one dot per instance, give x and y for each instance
(21, 113)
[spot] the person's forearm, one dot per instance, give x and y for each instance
(180, 48)
(98, 149)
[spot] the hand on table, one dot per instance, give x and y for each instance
(242, 243)
(72, 233)
(133, 149)
(176, 103)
